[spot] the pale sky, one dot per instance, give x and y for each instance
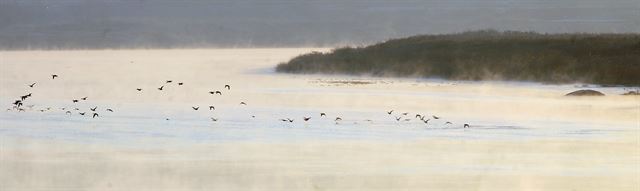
(274, 23)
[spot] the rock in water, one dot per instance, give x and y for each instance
(585, 93)
(632, 93)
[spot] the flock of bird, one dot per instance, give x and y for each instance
(19, 105)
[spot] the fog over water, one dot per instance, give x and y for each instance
(35, 24)
(522, 135)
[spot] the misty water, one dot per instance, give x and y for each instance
(525, 114)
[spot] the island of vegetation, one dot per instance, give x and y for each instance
(605, 59)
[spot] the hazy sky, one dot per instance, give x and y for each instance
(192, 23)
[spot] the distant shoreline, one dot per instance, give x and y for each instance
(602, 59)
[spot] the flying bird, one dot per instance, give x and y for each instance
(54, 76)
(109, 109)
(94, 108)
(447, 123)
(160, 88)
(435, 117)
(169, 81)
(180, 83)
(68, 112)
(214, 119)
(227, 86)
(32, 85)
(338, 119)
(466, 126)
(405, 113)
(323, 115)
(95, 115)
(398, 118)
(418, 115)
(389, 112)
(75, 101)
(82, 113)
(84, 98)
(426, 121)
(139, 89)
(243, 103)
(212, 108)
(306, 118)
(195, 108)
(290, 120)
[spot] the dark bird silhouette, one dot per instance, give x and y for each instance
(338, 119)
(243, 103)
(63, 108)
(166, 119)
(426, 121)
(94, 108)
(290, 120)
(76, 109)
(227, 86)
(160, 88)
(82, 113)
(84, 98)
(214, 119)
(109, 109)
(195, 108)
(54, 76)
(323, 115)
(17, 102)
(32, 85)
(75, 101)
(398, 118)
(212, 108)
(466, 126)
(405, 113)
(306, 118)
(68, 112)
(23, 97)
(216, 92)
(219, 92)
(447, 123)
(418, 115)
(95, 115)
(435, 117)
(169, 81)
(180, 83)
(389, 112)
(422, 118)
(284, 120)
(139, 89)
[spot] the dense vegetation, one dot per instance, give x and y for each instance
(607, 59)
